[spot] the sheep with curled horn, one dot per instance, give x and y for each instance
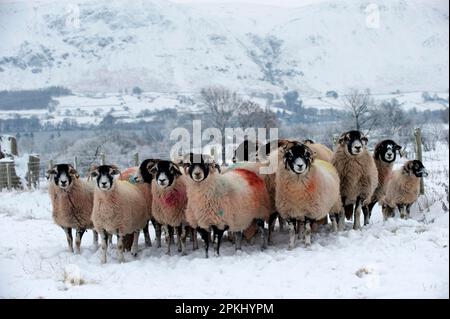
(72, 201)
(358, 175)
(307, 189)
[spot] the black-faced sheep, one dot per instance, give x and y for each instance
(119, 208)
(403, 189)
(307, 189)
(232, 200)
(170, 200)
(385, 154)
(72, 200)
(358, 175)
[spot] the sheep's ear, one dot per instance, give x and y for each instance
(365, 139)
(114, 170)
(310, 154)
(73, 171)
(342, 138)
(51, 171)
(408, 167)
(151, 167)
(176, 169)
(400, 150)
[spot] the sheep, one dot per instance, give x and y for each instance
(72, 200)
(139, 176)
(403, 189)
(119, 208)
(358, 175)
(322, 152)
(385, 154)
(307, 189)
(170, 200)
(229, 201)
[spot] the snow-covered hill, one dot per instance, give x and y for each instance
(162, 46)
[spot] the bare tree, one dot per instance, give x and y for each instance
(221, 104)
(359, 104)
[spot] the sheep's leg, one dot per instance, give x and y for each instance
(218, 233)
(120, 256)
(272, 219)
(134, 246)
(95, 239)
(262, 231)
(402, 210)
(341, 219)
(110, 239)
(307, 232)
(205, 236)
(69, 237)
(230, 236)
(183, 237)
(282, 223)
(387, 212)
(366, 214)
(238, 240)
(194, 239)
(148, 241)
(157, 232)
(334, 224)
(79, 236)
(408, 211)
(371, 206)
(301, 228)
(167, 229)
(292, 235)
(179, 234)
(171, 235)
(357, 215)
(104, 236)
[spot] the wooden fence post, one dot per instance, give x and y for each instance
(8, 176)
(418, 139)
(102, 159)
(33, 170)
(75, 163)
(136, 159)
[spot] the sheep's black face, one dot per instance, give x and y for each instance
(416, 167)
(104, 176)
(387, 150)
(145, 168)
(355, 142)
(298, 157)
(165, 173)
(198, 167)
(63, 175)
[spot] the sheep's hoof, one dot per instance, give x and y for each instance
(183, 253)
(290, 247)
(134, 254)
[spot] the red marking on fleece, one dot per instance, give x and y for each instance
(174, 197)
(252, 179)
(311, 186)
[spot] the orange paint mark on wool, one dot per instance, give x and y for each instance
(311, 186)
(126, 174)
(252, 179)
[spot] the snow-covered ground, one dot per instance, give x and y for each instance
(394, 259)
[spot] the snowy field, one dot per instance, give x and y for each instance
(394, 259)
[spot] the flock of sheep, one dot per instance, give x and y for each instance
(195, 194)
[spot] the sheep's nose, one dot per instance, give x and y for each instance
(104, 183)
(358, 148)
(197, 174)
(162, 180)
(63, 183)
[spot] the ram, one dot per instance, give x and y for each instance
(232, 200)
(119, 208)
(403, 189)
(357, 173)
(307, 189)
(72, 200)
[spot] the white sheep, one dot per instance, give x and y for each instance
(307, 189)
(119, 208)
(358, 175)
(232, 200)
(72, 200)
(403, 189)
